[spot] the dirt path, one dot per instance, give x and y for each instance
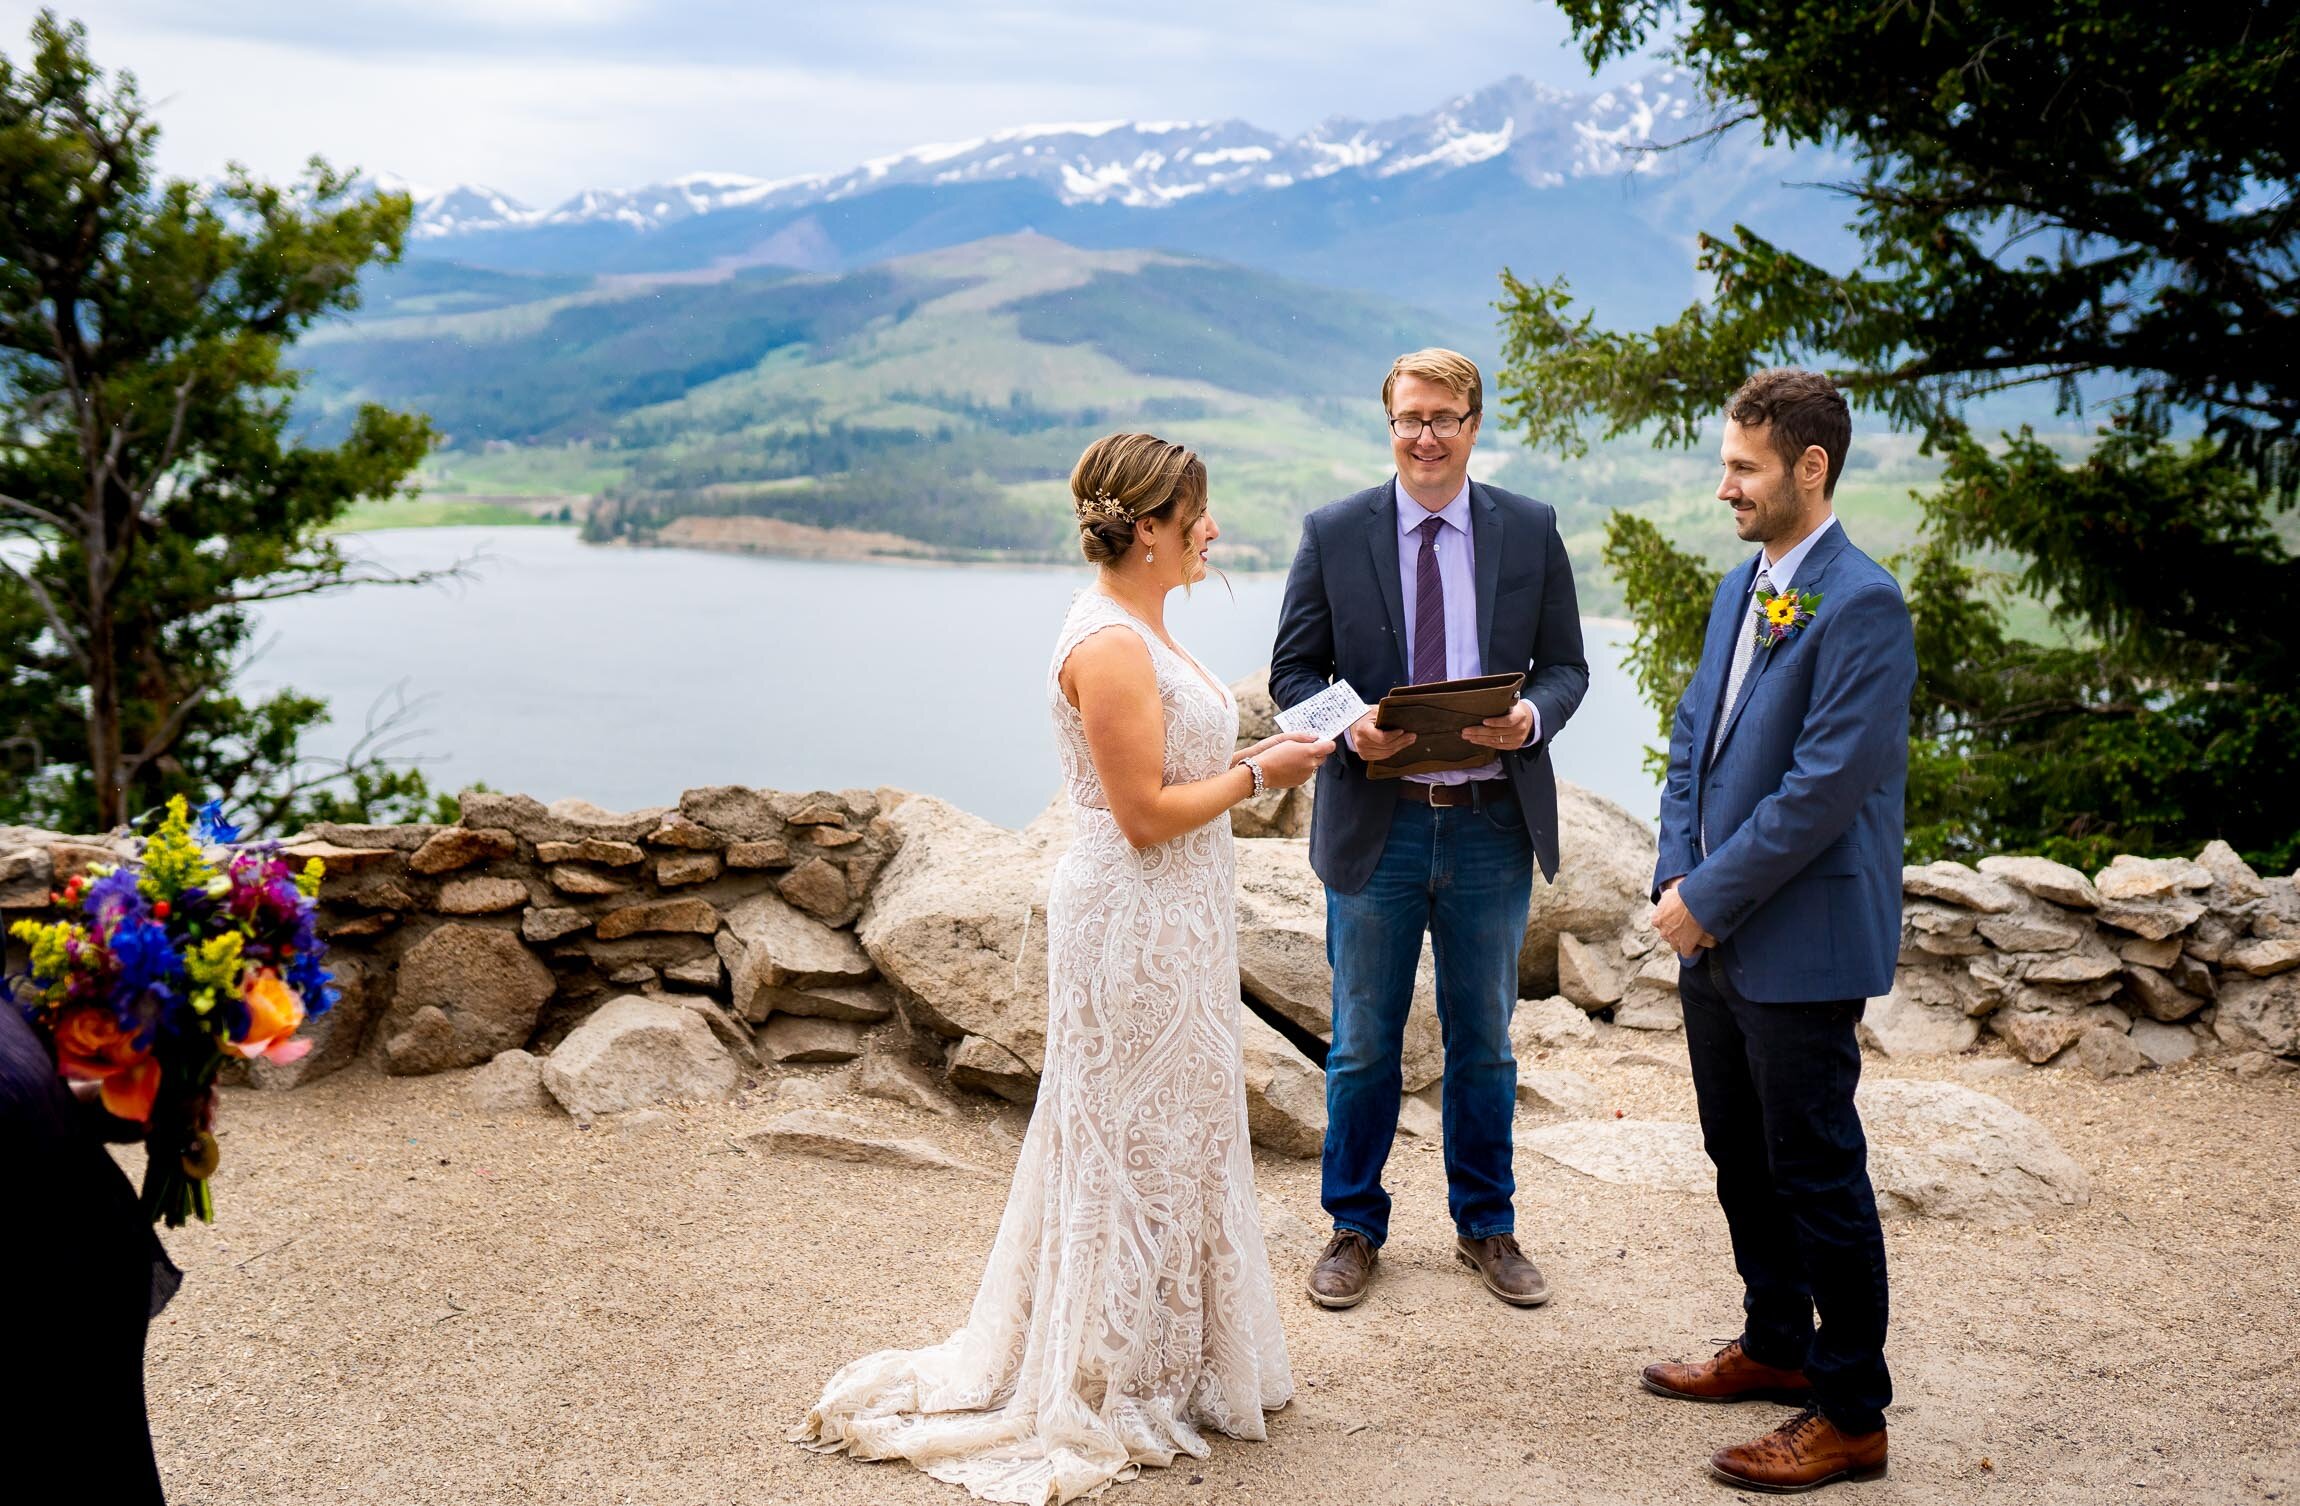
(408, 1301)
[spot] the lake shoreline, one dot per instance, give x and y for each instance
(863, 556)
(614, 675)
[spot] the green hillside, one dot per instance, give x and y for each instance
(942, 397)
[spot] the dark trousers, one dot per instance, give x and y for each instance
(1464, 874)
(1775, 1083)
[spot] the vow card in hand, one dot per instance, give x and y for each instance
(1325, 714)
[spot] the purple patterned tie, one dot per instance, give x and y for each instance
(1429, 609)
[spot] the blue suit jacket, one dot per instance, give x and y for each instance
(1803, 802)
(1344, 618)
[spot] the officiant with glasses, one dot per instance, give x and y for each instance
(1430, 577)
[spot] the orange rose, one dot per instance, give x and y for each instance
(91, 1047)
(275, 1012)
(128, 1093)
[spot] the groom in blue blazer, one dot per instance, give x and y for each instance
(1430, 576)
(1779, 885)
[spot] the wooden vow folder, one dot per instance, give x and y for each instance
(1436, 714)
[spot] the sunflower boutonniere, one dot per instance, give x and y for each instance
(1782, 617)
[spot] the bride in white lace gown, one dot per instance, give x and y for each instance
(1127, 1304)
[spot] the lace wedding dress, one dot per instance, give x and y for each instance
(1127, 1303)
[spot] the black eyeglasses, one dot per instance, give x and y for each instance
(1444, 426)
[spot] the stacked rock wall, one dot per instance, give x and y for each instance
(2144, 963)
(818, 928)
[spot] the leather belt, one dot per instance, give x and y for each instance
(1471, 792)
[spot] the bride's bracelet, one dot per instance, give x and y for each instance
(1254, 767)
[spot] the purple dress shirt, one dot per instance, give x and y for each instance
(1457, 577)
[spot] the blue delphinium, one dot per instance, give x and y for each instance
(211, 827)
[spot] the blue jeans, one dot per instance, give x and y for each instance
(1465, 875)
(1775, 1084)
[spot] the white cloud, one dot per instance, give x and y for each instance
(540, 98)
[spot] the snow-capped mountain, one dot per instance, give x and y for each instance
(1546, 137)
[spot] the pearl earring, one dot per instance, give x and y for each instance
(1149, 556)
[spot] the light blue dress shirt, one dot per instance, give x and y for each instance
(1783, 574)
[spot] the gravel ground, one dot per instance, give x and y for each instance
(405, 1300)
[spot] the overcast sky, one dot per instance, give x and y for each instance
(539, 98)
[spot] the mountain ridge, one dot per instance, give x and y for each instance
(1549, 135)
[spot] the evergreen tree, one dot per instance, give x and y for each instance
(151, 490)
(2094, 195)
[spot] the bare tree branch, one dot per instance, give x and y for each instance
(35, 512)
(163, 739)
(383, 732)
(139, 495)
(56, 623)
(313, 582)
(1711, 132)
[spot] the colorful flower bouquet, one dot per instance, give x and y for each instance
(186, 956)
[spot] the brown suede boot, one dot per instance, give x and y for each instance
(1508, 1274)
(1339, 1278)
(1804, 1453)
(1729, 1376)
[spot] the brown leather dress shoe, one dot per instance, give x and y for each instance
(1340, 1276)
(1730, 1375)
(1804, 1453)
(1508, 1274)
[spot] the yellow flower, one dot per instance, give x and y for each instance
(173, 861)
(1781, 611)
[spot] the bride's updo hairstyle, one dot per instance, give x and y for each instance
(1123, 478)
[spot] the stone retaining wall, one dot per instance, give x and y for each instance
(818, 928)
(2144, 963)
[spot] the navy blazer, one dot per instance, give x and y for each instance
(1803, 802)
(1344, 618)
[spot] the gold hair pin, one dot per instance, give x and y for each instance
(1106, 507)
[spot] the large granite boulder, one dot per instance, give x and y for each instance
(1942, 1150)
(465, 992)
(945, 926)
(1936, 1150)
(1604, 877)
(634, 1052)
(1273, 813)
(1282, 955)
(1898, 1025)
(1285, 1092)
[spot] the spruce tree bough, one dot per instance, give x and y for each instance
(2093, 196)
(152, 490)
